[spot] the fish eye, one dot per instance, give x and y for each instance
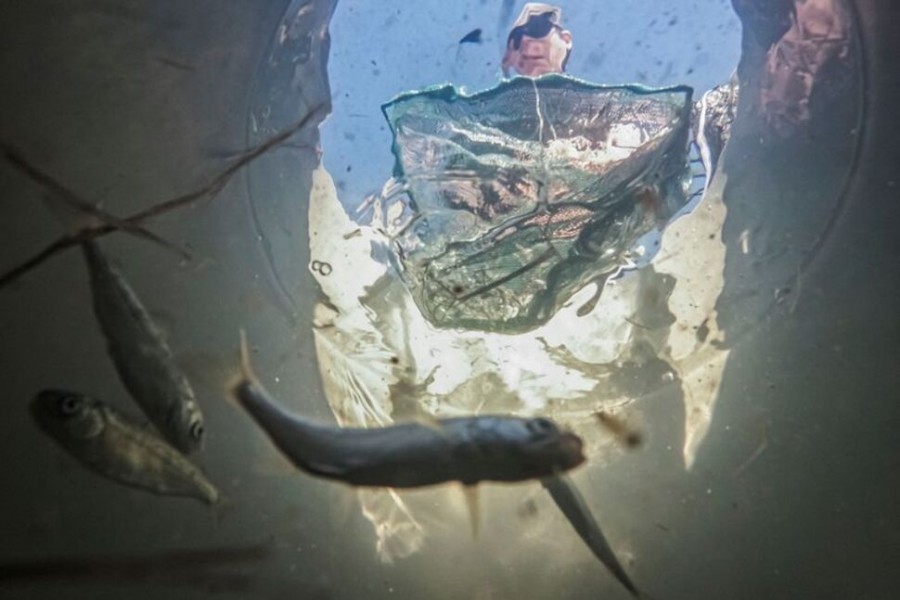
(541, 425)
(196, 430)
(69, 405)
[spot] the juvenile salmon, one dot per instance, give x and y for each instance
(141, 355)
(465, 449)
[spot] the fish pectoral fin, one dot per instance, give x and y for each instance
(473, 503)
(569, 500)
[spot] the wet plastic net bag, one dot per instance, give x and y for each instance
(521, 195)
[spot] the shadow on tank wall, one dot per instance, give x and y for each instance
(799, 469)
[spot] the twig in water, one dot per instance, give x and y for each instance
(763, 444)
(209, 192)
(57, 189)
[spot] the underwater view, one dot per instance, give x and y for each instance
(482, 300)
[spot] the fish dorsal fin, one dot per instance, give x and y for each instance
(473, 503)
(246, 368)
(426, 420)
(246, 375)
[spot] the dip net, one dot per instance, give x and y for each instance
(521, 195)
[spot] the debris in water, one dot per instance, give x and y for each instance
(207, 192)
(760, 448)
(628, 437)
(61, 200)
(527, 509)
(473, 37)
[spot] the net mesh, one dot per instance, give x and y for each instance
(520, 195)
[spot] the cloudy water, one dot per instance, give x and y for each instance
(641, 242)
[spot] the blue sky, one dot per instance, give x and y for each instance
(380, 48)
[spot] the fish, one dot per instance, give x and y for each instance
(468, 450)
(141, 356)
(473, 37)
(116, 447)
(569, 500)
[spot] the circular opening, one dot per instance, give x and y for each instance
(381, 50)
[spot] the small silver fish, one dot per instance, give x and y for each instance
(110, 444)
(467, 449)
(141, 356)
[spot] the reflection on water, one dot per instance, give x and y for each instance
(693, 351)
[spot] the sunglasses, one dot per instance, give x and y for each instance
(536, 27)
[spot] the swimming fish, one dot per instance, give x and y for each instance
(570, 502)
(464, 449)
(108, 443)
(137, 347)
(141, 355)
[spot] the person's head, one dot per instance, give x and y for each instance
(537, 43)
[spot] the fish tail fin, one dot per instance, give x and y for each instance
(569, 500)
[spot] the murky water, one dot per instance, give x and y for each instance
(756, 356)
